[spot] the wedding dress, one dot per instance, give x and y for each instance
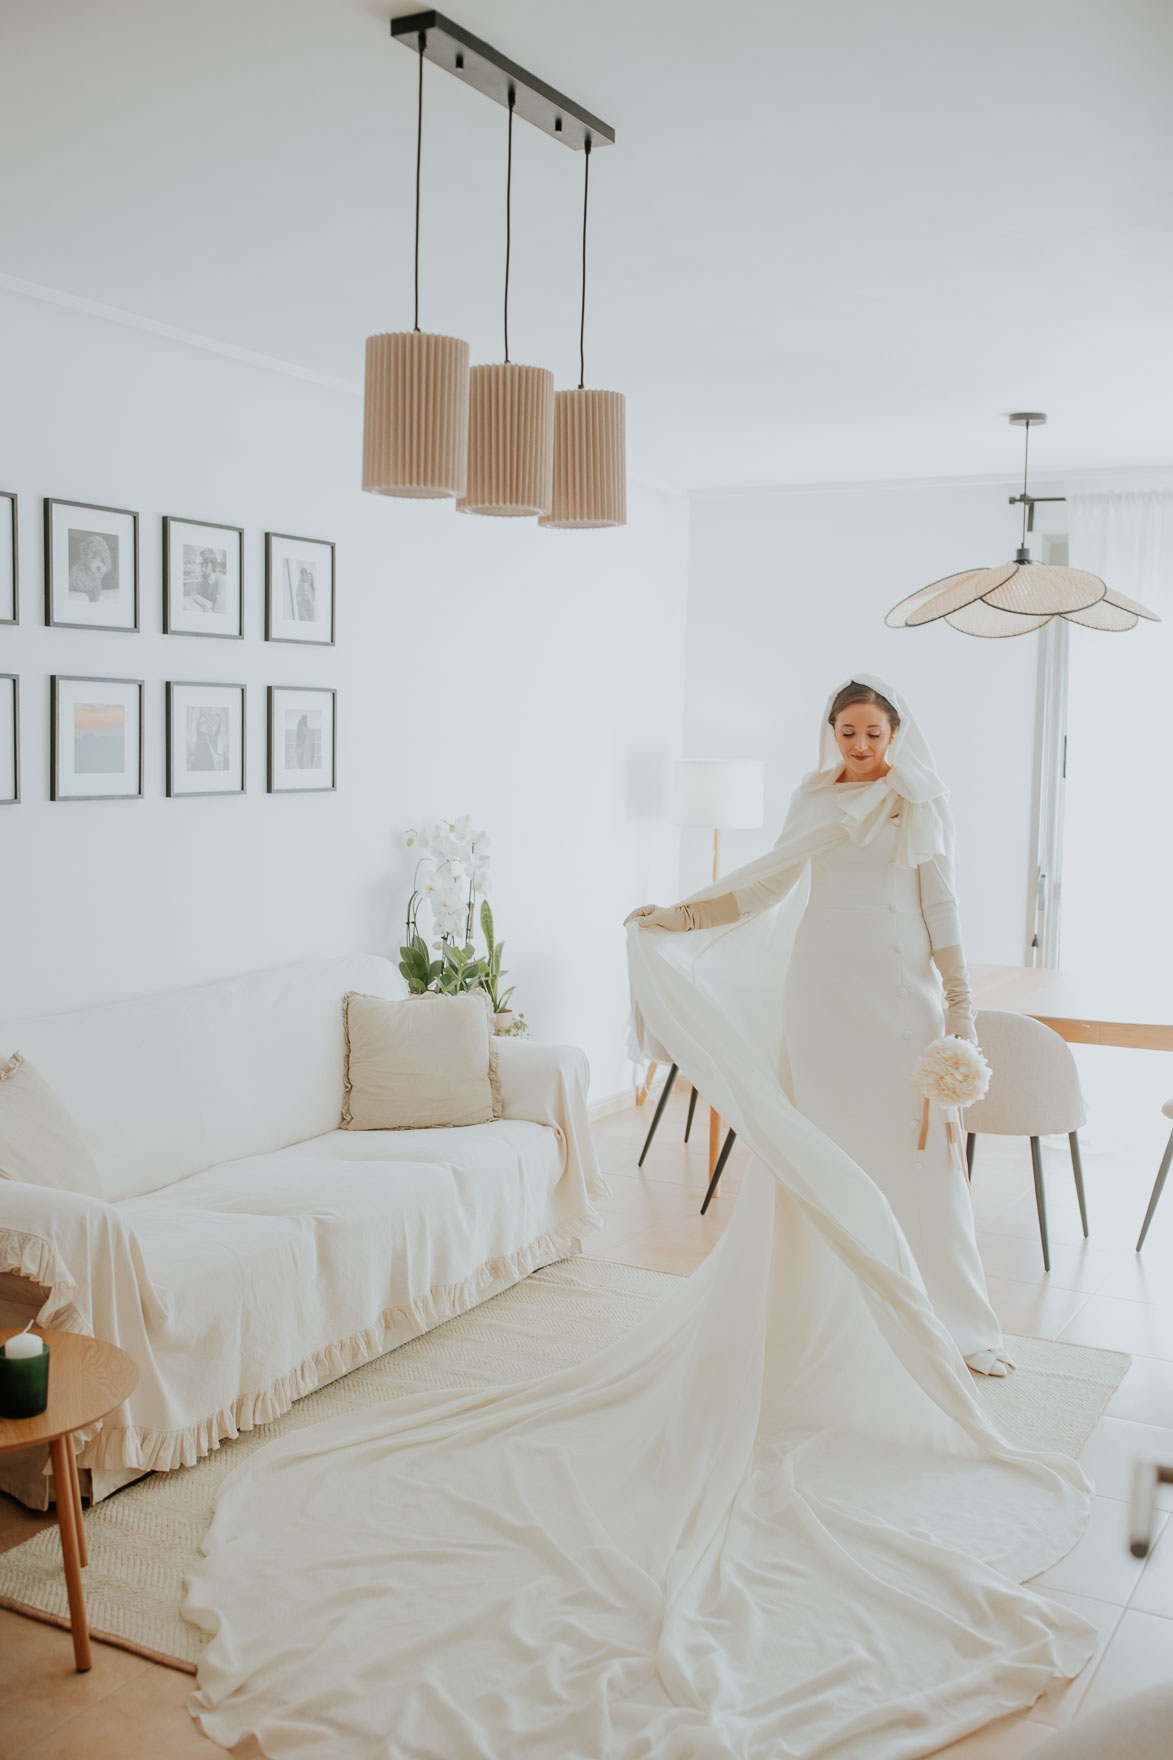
(773, 1524)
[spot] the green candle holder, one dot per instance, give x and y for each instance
(24, 1385)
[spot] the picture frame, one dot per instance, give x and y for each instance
(9, 558)
(9, 739)
(206, 729)
(95, 738)
(91, 566)
(203, 579)
(299, 589)
(303, 727)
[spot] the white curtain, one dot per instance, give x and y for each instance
(1118, 833)
(1116, 928)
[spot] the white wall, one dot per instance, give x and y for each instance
(788, 591)
(531, 678)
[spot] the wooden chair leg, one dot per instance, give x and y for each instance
(643, 1091)
(726, 1151)
(659, 1113)
(970, 1145)
(1077, 1170)
(691, 1110)
(1036, 1156)
(1158, 1188)
(67, 1522)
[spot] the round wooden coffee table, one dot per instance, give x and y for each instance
(88, 1379)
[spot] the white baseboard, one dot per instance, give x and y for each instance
(622, 1101)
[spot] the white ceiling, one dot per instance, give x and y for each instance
(836, 239)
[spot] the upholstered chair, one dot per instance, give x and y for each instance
(1034, 1092)
(1162, 1175)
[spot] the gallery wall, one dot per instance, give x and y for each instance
(532, 679)
(787, 597)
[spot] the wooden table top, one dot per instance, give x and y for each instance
(1134, 1010)
(88, 1379)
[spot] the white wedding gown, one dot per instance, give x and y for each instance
(773, 1524)
(861, 1001)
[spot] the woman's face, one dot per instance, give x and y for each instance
(863, 734)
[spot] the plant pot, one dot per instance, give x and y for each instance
(503, 1022)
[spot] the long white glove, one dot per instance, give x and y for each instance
(709, 913)
(959, 1010)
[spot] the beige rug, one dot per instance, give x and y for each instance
(143, 1540)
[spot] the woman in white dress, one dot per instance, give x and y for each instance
(775, 1520)
(862, 1000)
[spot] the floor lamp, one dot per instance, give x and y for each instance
(722, 794)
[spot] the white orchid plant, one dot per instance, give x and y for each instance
(451, 873)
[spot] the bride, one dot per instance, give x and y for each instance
(776, 1521)
(861, 1000)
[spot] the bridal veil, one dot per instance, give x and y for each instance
(775, 1522)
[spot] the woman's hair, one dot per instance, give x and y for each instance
(862, 693)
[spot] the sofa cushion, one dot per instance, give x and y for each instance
(165, 1085)
(39, 1141)
(419, 1063)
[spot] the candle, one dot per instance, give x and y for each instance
(24, 1344)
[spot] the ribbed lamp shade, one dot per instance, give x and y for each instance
(590, 461)
(510, 441)
(415, 418)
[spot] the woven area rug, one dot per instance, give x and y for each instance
(144, 1539)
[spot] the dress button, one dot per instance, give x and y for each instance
(906, 1035)
(898, 947)
(903, 990)
(892, 908)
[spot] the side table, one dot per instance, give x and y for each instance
(88, 1379)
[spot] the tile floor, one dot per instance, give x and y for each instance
(1097, 1293)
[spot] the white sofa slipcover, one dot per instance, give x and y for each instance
(245, 1250)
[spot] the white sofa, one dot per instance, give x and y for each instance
(246, 1250)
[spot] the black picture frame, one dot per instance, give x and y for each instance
(272, 769)
(273, 620)
(51, 581)
(169, 629)
(12, 499)
(13, 799)
(55, 683)
(170, 745)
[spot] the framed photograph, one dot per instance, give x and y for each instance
(9, 560)
(96, 739)
(302, 726)
(203, 579)
(9, 739)
(205, 739)
(299, 589)
(91, 566)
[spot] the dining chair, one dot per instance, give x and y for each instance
(669, 1079)
(1162, 1176)
(1034, 1092)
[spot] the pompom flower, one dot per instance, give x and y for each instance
(952, 1072)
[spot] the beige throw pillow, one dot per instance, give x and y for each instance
(419, 1063)
(39, 1142)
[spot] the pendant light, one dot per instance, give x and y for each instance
(415, 409)
(510, 416)
(590, 442)
(1016, 597)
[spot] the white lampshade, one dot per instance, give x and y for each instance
(415, 416)
(726, 794)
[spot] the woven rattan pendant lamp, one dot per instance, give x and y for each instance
(510, 416)
(590, 440)
(1017, 597)
(415, 405)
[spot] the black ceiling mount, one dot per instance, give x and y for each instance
(478, 64)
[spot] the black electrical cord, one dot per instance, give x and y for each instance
(586, 190)
(419, 147)
(508, 216)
